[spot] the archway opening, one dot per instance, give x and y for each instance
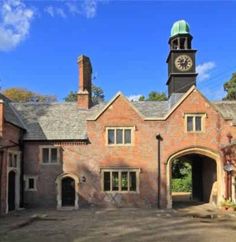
(68, 191)
(11, 191)
(193, 180)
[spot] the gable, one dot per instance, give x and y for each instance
(118, 107)
(192, 98)
(155, 110)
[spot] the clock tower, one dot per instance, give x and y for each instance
(181, 59)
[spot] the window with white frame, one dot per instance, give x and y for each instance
(195, 122)
(119, 135)
(120, 180)
(50, 155)
(30, 183)
(13, 159)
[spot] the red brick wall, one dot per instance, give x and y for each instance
(86, 160)
(11, 135)
(176, 139)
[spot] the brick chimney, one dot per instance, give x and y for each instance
(1, 117)
(84, 98)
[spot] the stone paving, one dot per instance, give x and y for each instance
(197, 223)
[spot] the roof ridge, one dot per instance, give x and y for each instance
(45, 103)
(154, 101)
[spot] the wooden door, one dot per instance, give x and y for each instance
(68, 191)
(11, 190)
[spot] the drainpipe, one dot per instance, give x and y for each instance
(159, 139)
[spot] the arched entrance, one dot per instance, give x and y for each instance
(206, 177)
(67, 191)
(11, 190)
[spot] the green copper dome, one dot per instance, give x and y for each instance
(180, 27)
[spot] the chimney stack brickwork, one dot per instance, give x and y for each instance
(84, 98)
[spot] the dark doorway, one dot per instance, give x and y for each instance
(11, 190)
(68, 191)
(197, 183)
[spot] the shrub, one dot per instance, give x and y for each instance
(181, 184)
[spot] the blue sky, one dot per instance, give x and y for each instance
(127, 42)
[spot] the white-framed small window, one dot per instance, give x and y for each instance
(30, 183)
(119, 136)
(13, 159)
(195, 123)
(120, 180)
(49, 155)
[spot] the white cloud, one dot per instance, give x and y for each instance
(15, 21)
(90, 8)
(50, 11)
(73, 7)
(216, 93)
(134, 97)
(204, 69)
(55, 11)
(87, 8)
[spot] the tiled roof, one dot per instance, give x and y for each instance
(152, 108)
(55, 121)
(227, 109)
(10, 114)
(64, 121)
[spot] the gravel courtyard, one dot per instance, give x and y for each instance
(123, 224)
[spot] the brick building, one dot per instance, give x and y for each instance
(118, 153)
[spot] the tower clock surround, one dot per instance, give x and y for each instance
(181, 59)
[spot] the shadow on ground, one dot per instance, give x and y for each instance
(115, 225)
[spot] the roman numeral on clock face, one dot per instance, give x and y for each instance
(183, 62)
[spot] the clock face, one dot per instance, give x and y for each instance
(183, 62)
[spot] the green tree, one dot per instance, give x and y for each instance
(142, 98)
(181, 168)
(71, 97)
(97, 95)
(17, 94)
(230, 88)
(154, 96)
